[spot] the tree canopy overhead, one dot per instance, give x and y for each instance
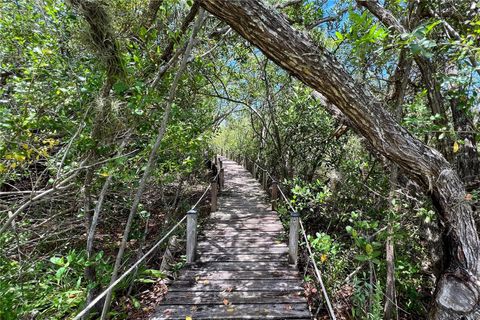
(366, 110)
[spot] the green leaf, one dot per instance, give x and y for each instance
(154, 273)
(120, 87)
(60, 273)
(57, 261)
(136, 303)
(339, 36)
(368, 249)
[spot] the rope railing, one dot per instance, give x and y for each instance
(318, 273)
(146, 255)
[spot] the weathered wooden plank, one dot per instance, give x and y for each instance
(220, 216)
(242, 236)
(250, 220)
(242, 297)
(263, 257)
(240, 227)
(209, 249)
(236, 285)
(241, 242)
(240, 311)
(238, 275)
(242, 266)
(247, 225)
(240, 233)
(245, 206)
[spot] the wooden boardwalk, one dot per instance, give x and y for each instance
(241, 270)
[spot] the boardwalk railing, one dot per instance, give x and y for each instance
(296, 224)
(191, 217)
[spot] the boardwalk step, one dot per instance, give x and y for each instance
(210, 249)
(241, 242)
(243, 234)
(236, 285)
(237, 275)
(241, 311)
(242, 226)
(243, 266)
(262, 237)
(233, 298)
(263, 257)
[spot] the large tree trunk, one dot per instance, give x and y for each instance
(458, 290)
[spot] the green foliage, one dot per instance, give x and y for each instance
(51, 289)
(368, 250)
(307, 196)
(57, 115)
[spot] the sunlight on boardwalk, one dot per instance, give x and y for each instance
(242, 270)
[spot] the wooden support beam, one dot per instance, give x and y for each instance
(192, 216)
(293, 238)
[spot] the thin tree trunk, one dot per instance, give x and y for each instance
(151, 161)
(151, 14)
(400, 81)
(90, 271)
(458, 290)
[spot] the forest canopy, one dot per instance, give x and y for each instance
(366, 112)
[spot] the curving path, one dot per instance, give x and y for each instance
(242, 269)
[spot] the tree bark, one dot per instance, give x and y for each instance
(458, 290)
(151, 14)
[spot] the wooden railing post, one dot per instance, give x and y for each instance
(265, 180)
(214, 195)
(222, 178)
(254, 173)
(274, 195)
(192, 216)
(293, 238)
